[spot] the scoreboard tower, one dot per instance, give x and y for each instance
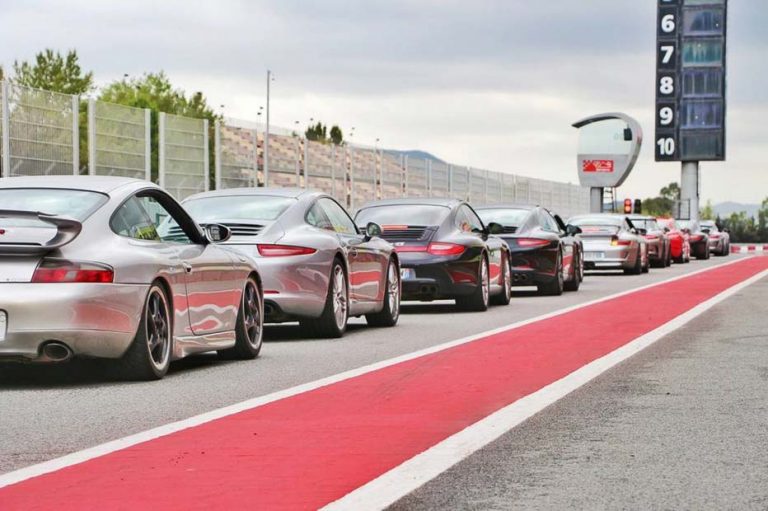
(690, 89)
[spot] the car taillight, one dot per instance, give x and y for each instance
(616, 242)
(411, 248)
(714, 236)
(531, 242)
(51, 271)
(697, 237)
(651, 237)
(445, 249)
(283, 250)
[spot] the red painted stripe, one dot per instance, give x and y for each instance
(313, 448)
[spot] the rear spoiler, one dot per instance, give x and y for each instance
(67, 229)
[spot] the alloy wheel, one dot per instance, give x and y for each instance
(484, 280)
(339, 297)
(158, 332)
(252, 314)
(393, 281)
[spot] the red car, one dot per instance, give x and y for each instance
(679, 241)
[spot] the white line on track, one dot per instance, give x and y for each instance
(84, 455)
(410, 475)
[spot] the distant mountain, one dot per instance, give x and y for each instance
(725, 209)
(415, 153)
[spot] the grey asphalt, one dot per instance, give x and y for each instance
(46, 412)
(682, 425)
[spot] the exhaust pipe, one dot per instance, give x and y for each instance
(55, 351)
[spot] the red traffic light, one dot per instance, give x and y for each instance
(627, 206)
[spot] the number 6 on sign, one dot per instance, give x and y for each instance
(666, 146)
(668, 23)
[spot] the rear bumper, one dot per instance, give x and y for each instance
(533, 267)
(94, 320)
(445, 280)
(607, 257)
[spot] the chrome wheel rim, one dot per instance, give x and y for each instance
(252, 314)
(484, 280)
(339, 297)
(507, 278)
(158, 332)
(393, 283)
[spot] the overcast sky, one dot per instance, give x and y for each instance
(491, 84)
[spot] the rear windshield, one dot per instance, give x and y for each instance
(707, 227)
(504, 216)
(238, 207)
(403, 214)
(644, 223)
(77, 204)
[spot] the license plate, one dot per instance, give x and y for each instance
(407, 273)
(3, 324)
(594, 255)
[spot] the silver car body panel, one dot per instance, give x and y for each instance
(297, 286)
(600, 253)
(205, 283)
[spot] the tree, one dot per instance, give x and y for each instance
(54, 72)
(337, 137)
(671, 191)
(662, 205)
(155, 91)
(707, 212)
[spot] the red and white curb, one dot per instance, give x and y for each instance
(744, 248)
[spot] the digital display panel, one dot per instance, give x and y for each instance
(690, 80)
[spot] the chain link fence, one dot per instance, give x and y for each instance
(183, 155)
(119, 141)
(40, 135)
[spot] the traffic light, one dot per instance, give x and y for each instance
(627, 206)
(638, 207)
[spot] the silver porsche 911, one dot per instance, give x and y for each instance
(612, 242)
(318, 268)
(115, 268)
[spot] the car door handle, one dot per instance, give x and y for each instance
(187, 267)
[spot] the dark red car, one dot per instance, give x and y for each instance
(679, 241)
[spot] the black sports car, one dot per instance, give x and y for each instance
(446, 251)
(544, 251)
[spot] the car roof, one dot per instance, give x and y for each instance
(605, 215)
(527, 207)
(414, 201)
(641, 217)
(103, 184)
(293, 193)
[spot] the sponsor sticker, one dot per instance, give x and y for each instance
(597, 165)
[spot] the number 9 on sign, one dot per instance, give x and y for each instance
(666, 116)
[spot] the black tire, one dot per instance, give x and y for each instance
(647, 265)
(668, 259)
(390, 313)
(328, 325)
(556, 285)
(637, 269)
(149, 356)
(505, 296)
(478, 301)
(250, 325)
(578, 274)
(705, 253)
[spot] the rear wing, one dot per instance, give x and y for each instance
(67, 229)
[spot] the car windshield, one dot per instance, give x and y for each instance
(507, 217)
(77, 204)
(403, 214)
(709, 227)
(238, 207)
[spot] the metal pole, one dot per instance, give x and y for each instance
(75, 135)
(689, 188)
(161, 149)
(266, 135)
(6, 132)
(148, 143)
(206, 156)
(91, 136)
(217, 154)
(596, 200)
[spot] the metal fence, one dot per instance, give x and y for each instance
(40, 136)
(39, 132)
(119, 140)
(183, 155)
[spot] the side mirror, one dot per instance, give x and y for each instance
(633, 230)
(494, 228)
(666, 229)
(640, 231)
(372, 230)
(572, 230)
(217, 233)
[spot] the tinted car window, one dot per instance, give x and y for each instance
(467, 221)
(316, 217)
(338, 217)
(167, 227)
(238, 207)
(403, 214)
(504, 216)
(547, 222)
(133, 221)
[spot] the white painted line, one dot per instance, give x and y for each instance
(409, 476)
(84, 455)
